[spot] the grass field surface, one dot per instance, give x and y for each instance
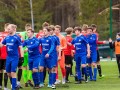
(109, 82)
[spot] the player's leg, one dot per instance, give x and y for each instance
(89, 61)
(14, 65)
(84, 66)
(98, 64)
(1, 73)
(5, 77)
(41, 69)
(118, 63)
(19, 74)
(68, 60)
(94, 59)
(24, 72)
(71, 73)
(78, 71)
(62, 67)
(35, 74)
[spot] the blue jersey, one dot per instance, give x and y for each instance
(56, 43)
(12, 43)
(92, 40)
(47, 45)
(80, 43)
(33, 46)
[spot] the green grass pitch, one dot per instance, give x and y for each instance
(109, 82)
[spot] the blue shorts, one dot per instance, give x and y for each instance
(80, 59)
(93, 58)
(11, 63)
(54, 59)
(48, 62)
(34, 62)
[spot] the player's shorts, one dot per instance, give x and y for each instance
(68, 59)
(34, 62)
(12, 63)
(47, 62)
(98, 56)
(2, 64)
(25, 63)
(81, 59)
(93, 58)
(54, 60)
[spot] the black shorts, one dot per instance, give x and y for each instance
(98, 56)
(68, 59)
(20, 63)
(2, 64)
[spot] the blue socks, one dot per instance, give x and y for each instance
(14, 83)
(95, 74)
(35, 78)
(41, 77)
(90, 72)
(50, 78)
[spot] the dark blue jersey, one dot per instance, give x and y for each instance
(12, 43)
(92, 40)
(56, 42)
(80, 43)
(33, 46)
(47, 45)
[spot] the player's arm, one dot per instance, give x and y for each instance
(58, 49)
(111, 44)
(88, 46)
(64, 43)
(51, 49)
(21, 51)
(36, 43)
(3, 43)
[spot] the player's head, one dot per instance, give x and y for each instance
(45, 24)
(28, 26)
(5, 27)
(30, 33)
(118, 36)
(84, 28)
(57, 29)
(89, 30)
(46, 31)
(94, 28)
(77, 30)
(11, 28)
(69, 30)
(52, 29)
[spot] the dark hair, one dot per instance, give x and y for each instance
(118, 34)
(47, 28)
(69, 30)
(90, 28)
(45, 24)
(77, 28)
(94, 26)
(30, 30)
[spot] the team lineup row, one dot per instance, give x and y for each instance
(48, 49)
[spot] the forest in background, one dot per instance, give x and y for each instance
(62, 12)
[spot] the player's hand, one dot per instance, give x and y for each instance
(88, 55)
(104, 42)
(59, 58)
(21, 59)
(110, 40)
(47, 56)
(26, 50)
